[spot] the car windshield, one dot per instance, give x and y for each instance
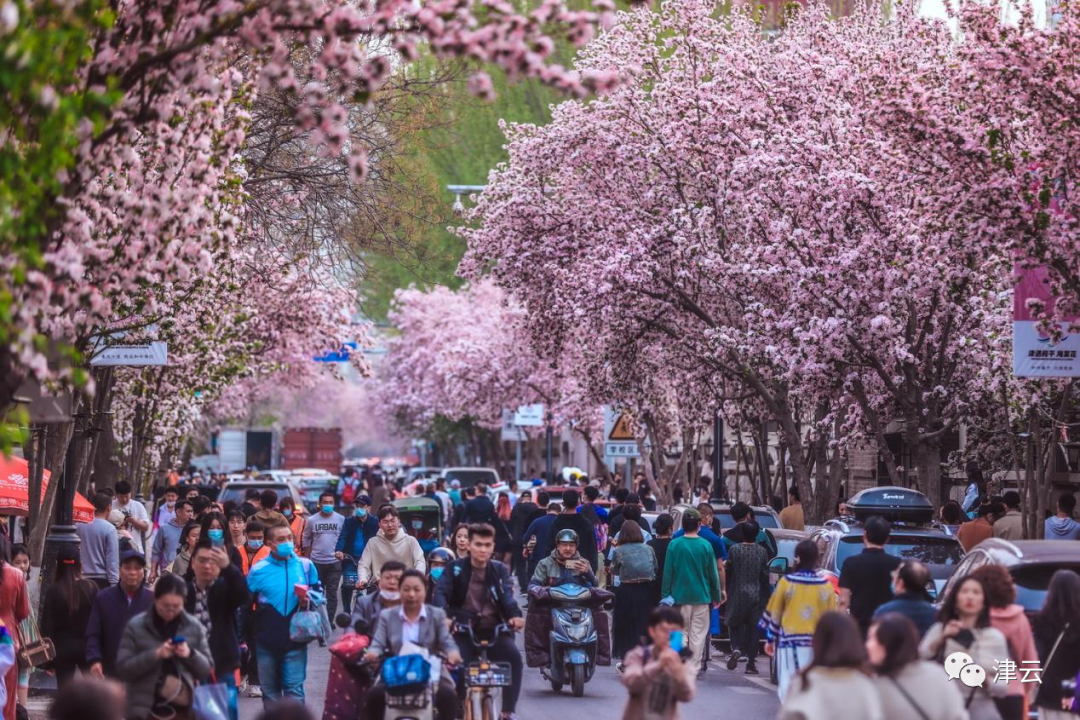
(236, 493)
(469, 478)
(764, 520)
(930, 550)
(1033, 582)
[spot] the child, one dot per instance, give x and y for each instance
(655, 674)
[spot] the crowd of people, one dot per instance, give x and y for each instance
(198, 593)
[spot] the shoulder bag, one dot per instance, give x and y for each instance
(911, 700)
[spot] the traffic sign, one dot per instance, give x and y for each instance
(529, 415)
(619, 439)
(511, 432)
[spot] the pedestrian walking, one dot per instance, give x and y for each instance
(634, 563)
(791, 517)
(1010, 526)
(662, 526)
(521, 517)
(28, 630)
(14, 608)
(1062, 526)
(866, 579)
(66, 614)
(167, 540)
(963, 625)
(111, 611)
(136, 519)
(1009, 618)
(535, 542)
(910, 688)
(390, 543)
(215, 594)
(99, 545)
(837, 676)
(972, 533)
(655, 674)
(952, 517)
(189, 537)
(268, 514)
(273, 581)
(294, 514)
(89, 699)
(321, 534)
(166, 511)
(355, 533)
(1057, 636)
(237, 537)
(910, 598)
(800, 599)
(747, 562)
(163, 656)
(692, 583)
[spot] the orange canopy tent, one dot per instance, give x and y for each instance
(14, 491)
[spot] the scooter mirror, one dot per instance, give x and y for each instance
(342, 620)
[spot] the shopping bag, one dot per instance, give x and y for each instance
(714, 622)
(211, 702)
(308, 625)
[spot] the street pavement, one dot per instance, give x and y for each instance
(720, 693)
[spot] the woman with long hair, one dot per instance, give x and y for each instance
(66, 614)
(14, 608)
(216, 530)
(1009, 617)
(503, 508)
(28, 628)
(801, 598)
(1057, 636)
(836, 678)
(189, 537)
(963, 626)
(909, 688)
(459, 541)
(634, 563)
(748, 562)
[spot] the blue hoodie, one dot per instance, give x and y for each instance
(1062, 529)
(272, 584)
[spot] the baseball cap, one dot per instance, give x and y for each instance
(455, 484)
(132, 555)
(692, 513)
(362, 500)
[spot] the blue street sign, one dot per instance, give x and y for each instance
(340, 355)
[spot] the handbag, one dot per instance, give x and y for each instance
(211, 702)
(38, 653)
(307, 625)
(406, 673)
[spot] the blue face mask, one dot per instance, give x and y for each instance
(328, 509)
(360, 513)
(255, 544)
(436, 572)
(287, 512)
(285, 549)
(216, 535)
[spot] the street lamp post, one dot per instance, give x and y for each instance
(550, 440)
(719, 488)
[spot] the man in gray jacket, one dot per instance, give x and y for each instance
(167, 540)
(99, 545)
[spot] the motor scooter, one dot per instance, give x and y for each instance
(574, 638)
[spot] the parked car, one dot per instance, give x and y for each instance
(1031, 562)
(422, 473)
(312, 486)
(914, 534)
(471, 476)
(237, 491)
(765, 516)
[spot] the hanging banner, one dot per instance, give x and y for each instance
(133, 355)
(1036, 354)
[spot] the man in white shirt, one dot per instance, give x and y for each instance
(136, 519)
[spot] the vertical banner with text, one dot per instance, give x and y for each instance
(1036, 354)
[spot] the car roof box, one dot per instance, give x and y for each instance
(892, 503)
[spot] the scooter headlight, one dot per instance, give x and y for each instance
(576, 632)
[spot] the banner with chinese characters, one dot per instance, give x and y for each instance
(1036, 354)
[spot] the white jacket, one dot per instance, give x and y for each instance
(379, 550)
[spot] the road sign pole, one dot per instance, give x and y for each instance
(626, 472)
(550, 441)
(719, 487)
(517, 462)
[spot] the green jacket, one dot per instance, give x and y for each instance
(690, 576)
(552, 571)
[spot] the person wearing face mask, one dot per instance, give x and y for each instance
(437, 561)
(365, 616)
(163, 655)
(297, 522)
(273, 581)
(215, 532)
(252, 551)
(355, 532)
(391, 543)
(321, 535)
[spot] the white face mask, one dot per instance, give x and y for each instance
(391, 595)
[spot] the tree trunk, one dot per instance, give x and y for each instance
(57, 451)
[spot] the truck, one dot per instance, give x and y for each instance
(233, 449)
(307, 447)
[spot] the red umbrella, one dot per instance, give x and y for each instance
(14, 490)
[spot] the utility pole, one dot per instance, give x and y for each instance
(550, 449)
(719, 488)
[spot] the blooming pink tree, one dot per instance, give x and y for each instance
(736, 214)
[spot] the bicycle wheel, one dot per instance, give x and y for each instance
(487, 708)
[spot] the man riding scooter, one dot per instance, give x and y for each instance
(564, 565)
(566, 632)
(479, 589)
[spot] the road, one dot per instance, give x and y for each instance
(739, 696)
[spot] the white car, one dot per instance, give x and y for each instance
(471, 476)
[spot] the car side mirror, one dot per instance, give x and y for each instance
(779, 566)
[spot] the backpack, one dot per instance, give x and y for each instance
(348, 494)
